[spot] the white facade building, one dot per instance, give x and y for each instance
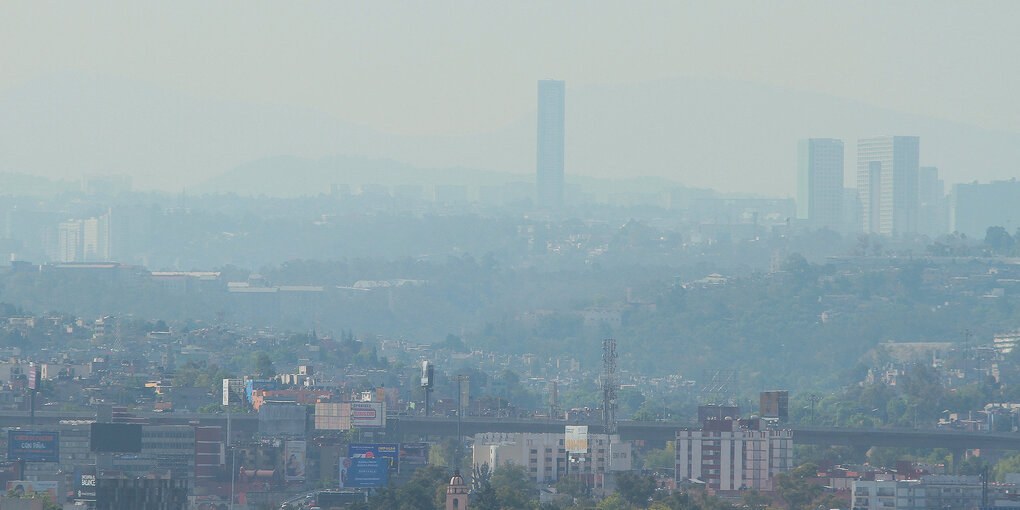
(544, 457)
(733, 454)
(951, 492)
(887, 184)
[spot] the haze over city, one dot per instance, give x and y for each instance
(705, 94)
(510, 256)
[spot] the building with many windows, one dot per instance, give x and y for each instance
(887, 184)
(820, 182)
(544, 457)
(976, 206)
(732, 454)
(551, 117)
(952, 492)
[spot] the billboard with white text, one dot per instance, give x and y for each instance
(575, 438)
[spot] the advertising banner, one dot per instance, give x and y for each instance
(414, 453)
(348, 415)
(391, 452)
(20, 488)
(233, 392)
(575, 439)
(367, 414)
(33, 446)
(115, 437)
(282, 419)
(363, 472)
(294, 455)
(86, 486)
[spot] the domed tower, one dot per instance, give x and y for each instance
(457, 493)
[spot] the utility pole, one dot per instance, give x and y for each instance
(427, 381)
(814, 400)
(608, 398)
(461, 397)
(609, 386)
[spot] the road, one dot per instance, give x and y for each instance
(652, 432)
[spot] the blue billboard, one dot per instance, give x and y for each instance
(388, 451)
(33, 446)
(363, 472)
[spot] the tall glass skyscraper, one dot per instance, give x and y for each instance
(551, 114)
(820, 182)
(887, 173)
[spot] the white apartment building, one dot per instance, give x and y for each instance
(733, 454)
(951, 492)
(544, 457)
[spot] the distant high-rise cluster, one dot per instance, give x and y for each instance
(894, 195)
(977, 206)
(84, 240)
(551, 116)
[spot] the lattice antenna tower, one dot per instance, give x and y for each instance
(718, 386)
(609, 385)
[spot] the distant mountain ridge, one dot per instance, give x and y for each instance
(724, 134)
(292, 176)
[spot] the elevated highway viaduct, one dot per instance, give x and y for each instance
(653, 433)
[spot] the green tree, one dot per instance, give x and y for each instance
(1006, 465)
(755, 500)
(635, 489)
(264, 365)
(663, 458)
(614, 502)
(513, 488)
(795, 489)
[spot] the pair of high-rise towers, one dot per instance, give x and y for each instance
(889, 187)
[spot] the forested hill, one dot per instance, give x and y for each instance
(805, 328)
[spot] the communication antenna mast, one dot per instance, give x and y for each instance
(718, 386)
(609, 385)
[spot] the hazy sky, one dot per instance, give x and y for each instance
(451, 67)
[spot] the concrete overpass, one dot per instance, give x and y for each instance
(653, 432)
(660, 432)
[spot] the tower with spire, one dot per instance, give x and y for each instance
(457, 493)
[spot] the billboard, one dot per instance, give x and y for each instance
(367, 414)
(86, 486)
(363, 472)
(465, 393)
(282, 420)
(428, 374)
(775, 405)
(33, 376)
(294, 463)
(391, 452)
(575, 439)
(116, 437)
(327, 416)
(33, 446)
(20, 488)
(348, 415)
(414, 453)
(233, 392)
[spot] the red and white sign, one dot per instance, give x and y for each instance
(367, 414)
(348, 415)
